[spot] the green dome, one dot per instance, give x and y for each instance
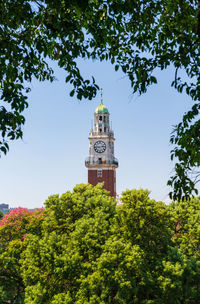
(101, 109)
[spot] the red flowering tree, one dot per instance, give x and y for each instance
(14, 229)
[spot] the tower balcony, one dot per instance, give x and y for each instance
(90, 162)
(109, 133)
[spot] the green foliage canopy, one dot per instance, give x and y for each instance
(94, 251)
(14, 230)
(87, 249)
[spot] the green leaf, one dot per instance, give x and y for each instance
(72, 93)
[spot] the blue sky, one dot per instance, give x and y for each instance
(50, 158)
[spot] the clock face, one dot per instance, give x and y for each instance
(100, 146)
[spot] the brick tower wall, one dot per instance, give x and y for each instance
(108, 177)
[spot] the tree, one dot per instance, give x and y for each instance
(187, 141)
(94, 251)
(14, 230)
(84, 248)
(75, 230)
(186, 217)
(186, 240)
(136, 36)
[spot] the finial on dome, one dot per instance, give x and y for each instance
(101, 96)
(101, 109)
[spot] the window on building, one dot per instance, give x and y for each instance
(99, 173)
(104, 118)
(100, 130)
(100, 117)
(100, 160)
(104, 129)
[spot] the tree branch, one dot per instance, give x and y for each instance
(176, 72)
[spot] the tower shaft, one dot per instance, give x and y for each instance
(101, 162)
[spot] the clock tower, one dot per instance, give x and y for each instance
(101, 162)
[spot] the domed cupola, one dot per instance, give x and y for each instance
(101, 109)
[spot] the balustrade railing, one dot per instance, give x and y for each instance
(95, 133)
(90, 161)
